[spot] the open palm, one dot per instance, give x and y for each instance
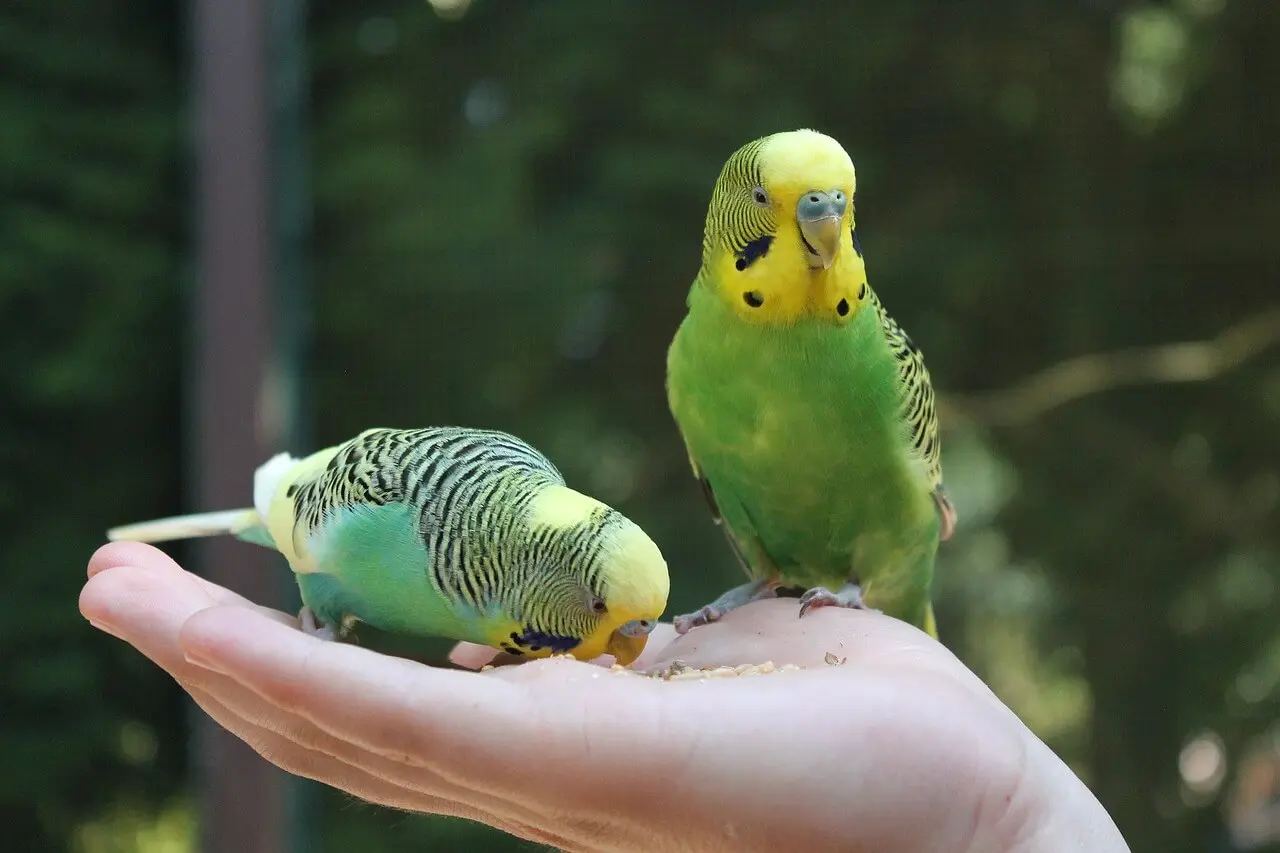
(897, 746)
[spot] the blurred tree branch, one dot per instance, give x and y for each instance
(1206, 501)
(1070, 380)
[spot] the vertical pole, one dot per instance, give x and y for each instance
(292, 220)
(242, 796)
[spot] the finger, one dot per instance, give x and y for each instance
(295, 744)
(121, 596)
(476, 656)
(335, 770)
(152, 559)
(131, 554)
(389, 706)
(147, 609)
(311, 764)
(472, 655)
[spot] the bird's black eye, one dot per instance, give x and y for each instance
(598, 605)
(760, 197)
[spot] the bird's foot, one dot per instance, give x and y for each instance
(725, 604)
(704, 615)
(311, 625)
(850, 596)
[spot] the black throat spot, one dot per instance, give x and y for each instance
(753, 251)
(536, 641)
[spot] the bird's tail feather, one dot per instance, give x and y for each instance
(930, 623)
(232, 521)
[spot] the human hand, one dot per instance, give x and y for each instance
(899, 748)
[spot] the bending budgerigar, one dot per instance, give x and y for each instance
(807, 412)
(450, 532)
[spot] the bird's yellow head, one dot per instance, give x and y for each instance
(604, 582)
(779, 243)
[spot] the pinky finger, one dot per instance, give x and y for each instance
(319, 767)
(288, 756)
(330, 771)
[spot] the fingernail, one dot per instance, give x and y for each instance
(105, 628)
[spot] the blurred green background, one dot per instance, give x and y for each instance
(507, 208)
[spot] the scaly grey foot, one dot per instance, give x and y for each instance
(850, 596)
(725, 604)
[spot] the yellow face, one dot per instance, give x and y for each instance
(607, 589)
(779, 241)
(637, 584)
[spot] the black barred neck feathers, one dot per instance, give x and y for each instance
(755, 254)
(620, 565)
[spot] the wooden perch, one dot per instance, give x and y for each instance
(1085, 375)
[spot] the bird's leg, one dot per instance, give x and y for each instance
(311, 625)
(730, 601)
(850, 595)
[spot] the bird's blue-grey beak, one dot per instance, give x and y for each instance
(820, 216)
(628, 641)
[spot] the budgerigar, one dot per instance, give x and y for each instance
(451, 532)
(807, 412)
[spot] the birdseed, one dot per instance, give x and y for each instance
(681, 671)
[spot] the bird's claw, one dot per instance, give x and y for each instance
(312, 626)
(703, 616)
(850, 596)
(725, 604)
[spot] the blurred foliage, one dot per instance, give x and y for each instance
(508, 201)
(91, 252)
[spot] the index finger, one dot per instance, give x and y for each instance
(151, 559)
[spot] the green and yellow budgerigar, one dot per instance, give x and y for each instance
(807, 412)
(451, 532)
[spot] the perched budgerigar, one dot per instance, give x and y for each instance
(807, 412)
(450, 532)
